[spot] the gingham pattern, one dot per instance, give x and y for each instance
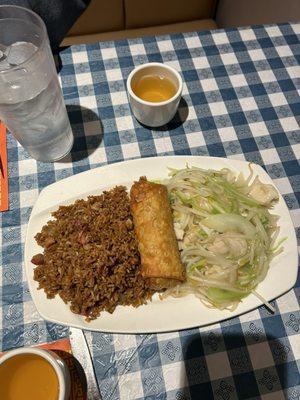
(240, 100)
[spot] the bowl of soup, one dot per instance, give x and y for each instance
(33, 374)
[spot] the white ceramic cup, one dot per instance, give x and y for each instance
(62, 372)
(147, 112)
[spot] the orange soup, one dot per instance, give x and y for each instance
(28, 377)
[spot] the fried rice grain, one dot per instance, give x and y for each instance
(90, 257)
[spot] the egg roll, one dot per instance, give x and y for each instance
(153, 224)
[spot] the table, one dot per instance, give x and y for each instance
(240, 100)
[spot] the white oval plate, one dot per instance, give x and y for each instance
(157, 316)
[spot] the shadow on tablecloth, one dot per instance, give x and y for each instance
(229, 366)
(179, 118)
(87, 130)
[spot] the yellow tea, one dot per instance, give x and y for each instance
(28, 377)
(154, 88)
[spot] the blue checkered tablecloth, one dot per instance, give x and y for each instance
(241, 101)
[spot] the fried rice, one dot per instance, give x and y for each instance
(90, 257)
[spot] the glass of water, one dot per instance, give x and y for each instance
(31, 102)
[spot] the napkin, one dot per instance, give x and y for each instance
(3, 170)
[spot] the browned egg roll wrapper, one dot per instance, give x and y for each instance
(153, 224)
